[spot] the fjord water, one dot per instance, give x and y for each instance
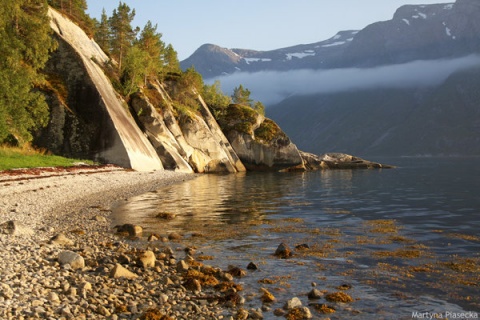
(405, 240)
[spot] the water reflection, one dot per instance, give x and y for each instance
(245, 216)
(213, 200)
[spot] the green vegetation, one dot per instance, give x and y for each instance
(11, 158)
(267, 130)
(139, 58)
(25, 44)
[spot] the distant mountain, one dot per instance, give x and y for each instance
(212, 61)
(366, 94)
(443, 120)
(416, 32)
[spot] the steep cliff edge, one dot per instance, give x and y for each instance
(90, 120)
(190, 142)
(258, 141)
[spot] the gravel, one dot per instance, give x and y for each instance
(36, 280)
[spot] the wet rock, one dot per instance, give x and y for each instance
(175, 236)
(283, 251)
(252, 266)
(315, 294)
(236, 271)
(242, 314)
(182, 266)
(256, 314)
(338, 297)
(61, 240)
(71, 258)
(292, 303)
(130, 229)
(302, 246)
(299, 313)
(267, 297)
(120, 272)
(189, 251)
(15, 228)
(166, 215)
(147, 259)
(279, 312)
(323, 308)
(344, 287)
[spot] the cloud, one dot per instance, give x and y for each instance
(271, 86)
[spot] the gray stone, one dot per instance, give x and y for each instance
(292, 303)
(71, 258)
(315, 294)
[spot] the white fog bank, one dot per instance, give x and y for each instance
(271, 86)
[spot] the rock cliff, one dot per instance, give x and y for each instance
(88, 117)
(258, 141)
(189, 142)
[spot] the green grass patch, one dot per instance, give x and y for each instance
(13, 158)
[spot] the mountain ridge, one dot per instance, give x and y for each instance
(415, 32)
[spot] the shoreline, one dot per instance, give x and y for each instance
(35, 283)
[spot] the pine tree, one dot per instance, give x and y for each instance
(102, 32)
(170, 59)
(151, 43)
(122, 32)
(241, 96)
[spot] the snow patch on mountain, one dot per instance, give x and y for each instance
(338, 43)
(250, 60)
(300, 55)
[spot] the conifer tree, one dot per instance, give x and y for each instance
(241, 95)
(170, 59)
(102, 32)
(122, 32)
(151, 43)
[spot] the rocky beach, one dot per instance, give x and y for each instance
(61, 258)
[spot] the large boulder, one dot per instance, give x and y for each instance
(258, 141)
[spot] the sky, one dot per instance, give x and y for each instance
(253, 24)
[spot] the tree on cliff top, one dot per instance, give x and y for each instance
(25, 44)
(122, 33)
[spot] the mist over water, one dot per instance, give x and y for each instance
(271, 87)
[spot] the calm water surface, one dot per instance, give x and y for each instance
(405, 240)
